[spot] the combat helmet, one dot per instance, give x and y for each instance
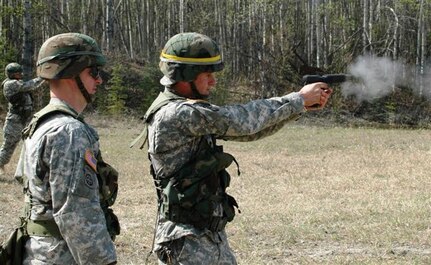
(12, 69)
(66, 55)
(186, 55)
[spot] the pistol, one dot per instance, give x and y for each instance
(328, 79)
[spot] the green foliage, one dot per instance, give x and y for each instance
(145, 88)
(407, 5)
(8, 54)
(130, 88)
(401, 108)
(17, 10)
(116, 96)
(228, 91)
(220, 95)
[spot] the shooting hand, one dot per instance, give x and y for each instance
(315, 95)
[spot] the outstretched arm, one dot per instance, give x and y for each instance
(13, 87)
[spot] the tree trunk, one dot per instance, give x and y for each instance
(182, 16)
(420, 47)
(263, 53)
(28, 51)
(281, 29)
(310, 31)
(326, 35)
(234, 37)
(139, 33)
(148, 19)
(169, 22)
(393, 42)
(129, 28)
(318, 32)
(365, 21)
(253, 53)
(110, 25)
(2, 3)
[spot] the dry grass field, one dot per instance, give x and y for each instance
(308, 195)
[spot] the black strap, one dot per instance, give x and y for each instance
(83, 90)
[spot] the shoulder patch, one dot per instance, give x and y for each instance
(89, 178)
(91, 160)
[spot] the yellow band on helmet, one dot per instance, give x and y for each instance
(185, 60)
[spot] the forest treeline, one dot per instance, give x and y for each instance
(267, 46)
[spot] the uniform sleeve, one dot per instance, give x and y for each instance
(13, 87)
(75, 197)
(246, 122)
(263, 133)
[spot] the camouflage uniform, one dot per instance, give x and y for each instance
(173, 136)
(59, 166)
(175, 132)
(64, 187)
(18, 115)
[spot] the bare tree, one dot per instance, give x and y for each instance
(28, 50)
(182, 24)
(130, 32)
(318, 32)
(366, 40)
(310, 31)
(420, 54)
(109, 25)
(392, 41)
(2, 4)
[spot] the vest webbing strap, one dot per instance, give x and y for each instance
(43, 228)
(162, 99)
(44, 113)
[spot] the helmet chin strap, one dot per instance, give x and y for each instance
(195, 92)
(84, 91)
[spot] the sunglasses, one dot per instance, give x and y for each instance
(95, 72)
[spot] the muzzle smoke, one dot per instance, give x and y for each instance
(376, 77)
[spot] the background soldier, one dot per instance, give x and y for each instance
(187, 165)
(17, 93)
(61, 163)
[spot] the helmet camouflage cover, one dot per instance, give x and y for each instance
(66, 55)
(186, 55)
(12, 68)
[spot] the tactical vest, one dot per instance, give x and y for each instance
(195, 192)
(107, 177)
(17, 103)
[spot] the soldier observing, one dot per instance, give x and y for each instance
(68, 187)
(188, 167)
(20, 107)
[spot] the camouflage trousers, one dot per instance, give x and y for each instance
(197, 250)
(47, 250)
(11, 137)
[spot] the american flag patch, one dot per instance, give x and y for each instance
(91, 160)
